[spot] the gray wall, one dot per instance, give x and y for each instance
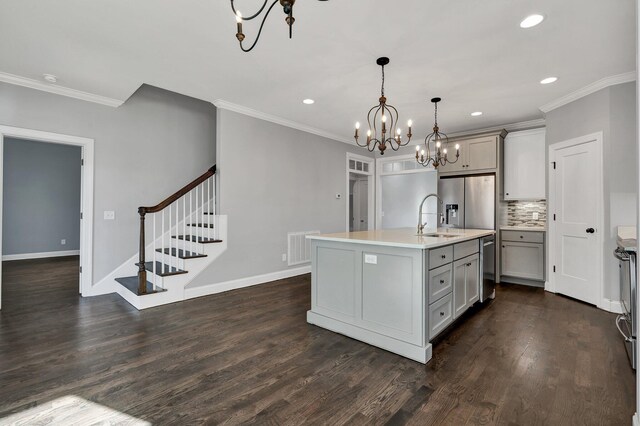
(144, 150)
(613, 112)
(41, 197)
(273, 180)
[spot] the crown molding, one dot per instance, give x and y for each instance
(58, 90)
(587, 90)
(522, 125)
(229, 106)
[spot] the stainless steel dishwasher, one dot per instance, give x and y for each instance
(487, 268)
(627, 322)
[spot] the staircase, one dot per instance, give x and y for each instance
(179, 238)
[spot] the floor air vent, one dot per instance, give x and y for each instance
(299, 247)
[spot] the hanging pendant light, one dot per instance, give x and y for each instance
(436, 142)
(382, 120)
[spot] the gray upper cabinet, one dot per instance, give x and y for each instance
(477, 154)
(524, 165)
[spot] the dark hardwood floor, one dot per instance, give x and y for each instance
(248, 356)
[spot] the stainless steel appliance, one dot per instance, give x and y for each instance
(627, 322)
(488, 268)
(468, 202)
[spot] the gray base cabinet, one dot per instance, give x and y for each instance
(523, 255)
(394, 298)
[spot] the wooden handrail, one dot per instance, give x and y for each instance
(142, 211)
(185, 190)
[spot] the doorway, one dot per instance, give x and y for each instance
(13, 137)
(576, 211)
(360, 193)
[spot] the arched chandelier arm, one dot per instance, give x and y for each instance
(240, 35)
(249, 18)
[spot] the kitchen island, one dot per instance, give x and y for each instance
(392, 288)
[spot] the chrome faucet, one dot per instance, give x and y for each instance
(421, 225)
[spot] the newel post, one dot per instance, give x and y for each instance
(142, 270)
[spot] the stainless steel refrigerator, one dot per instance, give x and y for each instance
(468, 202)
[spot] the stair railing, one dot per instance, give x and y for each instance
(198, 200)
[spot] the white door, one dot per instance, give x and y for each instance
(575, 188)
(361, 205)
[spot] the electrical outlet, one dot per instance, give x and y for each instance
(109, 215)
(371, 259)
(536, 216)
(63, 242)
(284, 257)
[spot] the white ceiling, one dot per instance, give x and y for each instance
(472, 53)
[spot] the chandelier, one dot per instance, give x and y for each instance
(438, 143)
(287, 8)
(383, 118)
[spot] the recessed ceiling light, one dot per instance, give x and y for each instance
(50, 78)
(308, 102)
(476, 114)
(549, 80)
(531, 21)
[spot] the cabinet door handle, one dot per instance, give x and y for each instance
(521, 236)
(441, 281)
(590, 230)
(444, 256)
(504, 246)
(441, 314)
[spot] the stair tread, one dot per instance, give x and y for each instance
(201, 225)
(131, 284)
(164, 270)
(194, 238)
(182, 254)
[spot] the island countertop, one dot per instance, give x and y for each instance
(406, 237)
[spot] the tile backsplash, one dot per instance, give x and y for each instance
(520, 213)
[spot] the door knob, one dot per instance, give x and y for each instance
(590, 230)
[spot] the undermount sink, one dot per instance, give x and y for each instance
(437, 235)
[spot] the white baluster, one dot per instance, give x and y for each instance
(153, 235)
(184, 225)
(209, 208)
(191, 215)
(215, 221)
(163, 246)
(202, 208)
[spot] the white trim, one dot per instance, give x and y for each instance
(589, 89)
(636, 419)
(522, 125)
(86, 200)
(370, 187)
(42, 255)
(222, 104)
(59, 90)
(207, 290)
(602, 302)
(609, 305)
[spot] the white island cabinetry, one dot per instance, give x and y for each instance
(391, 288)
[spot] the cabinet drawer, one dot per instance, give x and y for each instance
(523, 236)
(440, 315)
(465, 249)
(440, 282)
(440, 256)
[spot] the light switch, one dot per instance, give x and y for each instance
(371, 259)
(109, 215)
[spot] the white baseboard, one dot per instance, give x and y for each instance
(25, 256)
(206, 290)
(609, 305)
(636, 420)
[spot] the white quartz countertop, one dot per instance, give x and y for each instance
(405, 237)
(627, 238)
(523, 228)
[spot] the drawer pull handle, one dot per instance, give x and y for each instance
(468, 264)
(521, 236)
(441, 314)
(444, 256)
(441, 281)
